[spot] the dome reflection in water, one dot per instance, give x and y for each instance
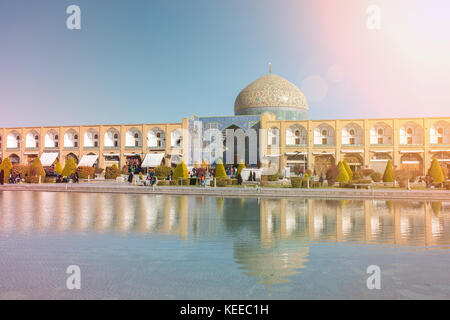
(272, 240)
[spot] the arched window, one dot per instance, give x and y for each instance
(71, 139)
(133, 138)
(156, 138)
(273, 137)
(296, 135)
(91, 138)
(324, 135)
(176, 138)
(51, 139)
(32, 140)
(13, 140)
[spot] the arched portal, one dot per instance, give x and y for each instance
(412, 162)
(322, 163)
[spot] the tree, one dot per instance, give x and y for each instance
(58, 168)
(240, 167)
(436, 172)
(36, 169)
(180, 171)
(389, 173)
(331, 175)
(348, 169)
(343, 176)
(69, 168)
(6, 166)
(219, 172)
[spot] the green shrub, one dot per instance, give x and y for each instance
(447, 185)
(331, 175)
(273, 177)
(162, 171)
(173, 182)
(348, 169)
(49, 180)
(69, 168)
(6, 166)
(296, 182)
(234, 182)
(33, 179)
(36, 169)
(376, 177)
(163, 183)
(219, 171)
(240, 167)
(58, 168)
(389, 173)
(21, 169)
(141, 176)
(436, 172)
(85, 172)
(112, 172)
(343, 176)
(221, 182)
(180, 171)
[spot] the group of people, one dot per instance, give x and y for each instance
(13, 178)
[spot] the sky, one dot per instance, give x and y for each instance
(157, 61)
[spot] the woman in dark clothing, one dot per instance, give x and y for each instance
(2, 177)
(130, 177)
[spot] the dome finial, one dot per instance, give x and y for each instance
(270, 67)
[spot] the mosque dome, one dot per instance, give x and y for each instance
(274, 94)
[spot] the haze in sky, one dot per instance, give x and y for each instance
(158, 61)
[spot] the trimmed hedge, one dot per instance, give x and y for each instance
(58, 168)
(219, 172)
(389, 173)
(180, 171)
(240, 167)
(343, 176)
(69, 168)
(36, 169)
(436, 172)
(112, 172)
(6, 166)
(296, 182)
(85, 172)
(162, 171)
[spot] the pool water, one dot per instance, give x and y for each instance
(199, 247)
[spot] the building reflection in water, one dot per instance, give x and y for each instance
(271, 238)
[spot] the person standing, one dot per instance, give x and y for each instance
(2, 177)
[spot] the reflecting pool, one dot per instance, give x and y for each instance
(194, 247)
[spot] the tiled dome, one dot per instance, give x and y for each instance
(269, 92)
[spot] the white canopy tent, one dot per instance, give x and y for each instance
(152, 160)
(88, 160)
(47, 158)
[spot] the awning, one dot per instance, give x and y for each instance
(411, 151)
(111, 154)
(152, 160)
(295, 153)
(30, 153)
(323, 153)
(88, 160)
(47, 158)
(352, 151)
(131, 154)
(381, 151)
